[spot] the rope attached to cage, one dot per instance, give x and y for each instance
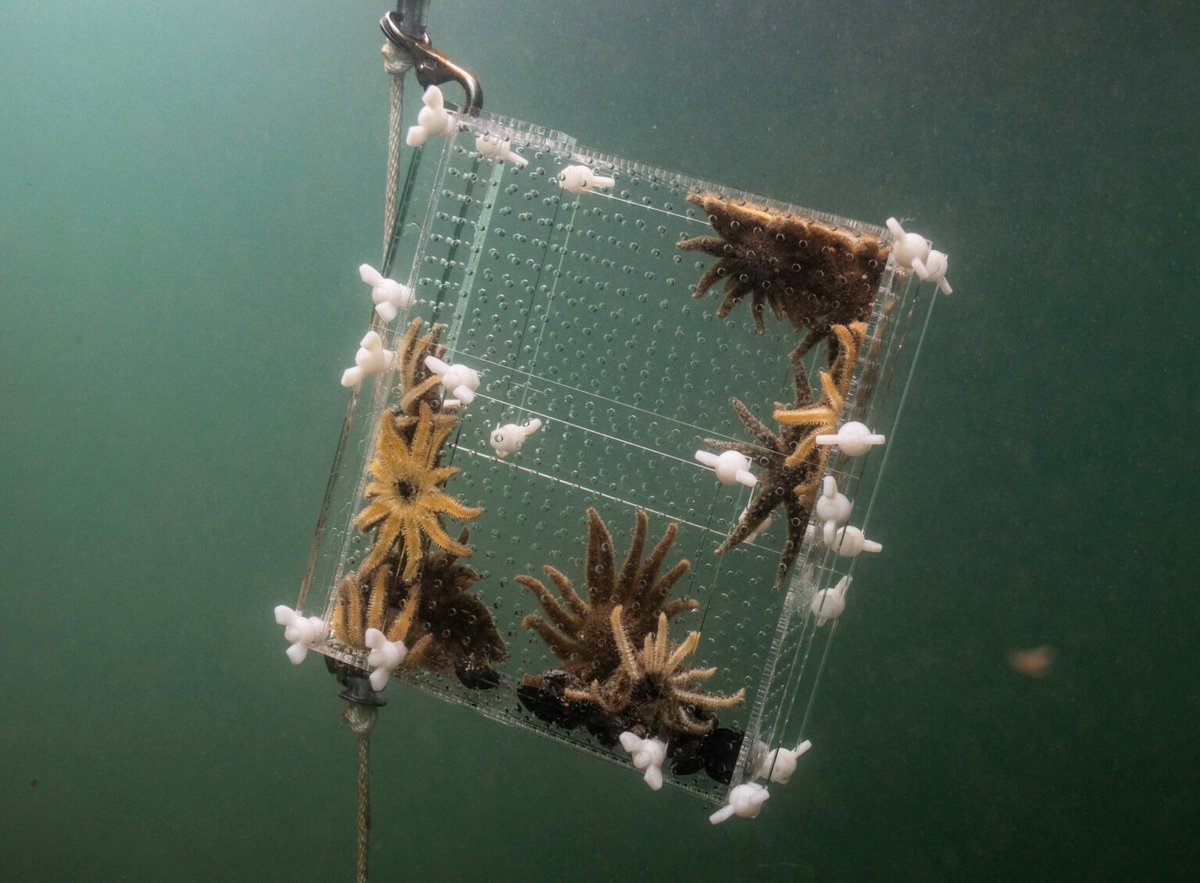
(361, 719)
(396, 63)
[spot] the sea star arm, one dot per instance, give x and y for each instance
(437, 534)
(624, 648)
(412, 544)
(347, 620)
(683, 651)
(694, 674)
(439, 502)
(563, 646)
(418, 392)
(759, 430)
(559, 616)
(709, 700)
(746, 450)
(372, 515)
(567, 591)
(674, 608)
(599, 562)
(660, 638)
(399, 629)
(388, 532)
(377, 604)
(648, 577)
(663, 587)
(627, 582)
(713, 245)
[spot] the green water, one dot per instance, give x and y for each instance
(185, 190)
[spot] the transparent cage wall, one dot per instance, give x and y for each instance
(578, 310)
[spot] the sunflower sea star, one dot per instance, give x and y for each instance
(580, 632)
(417, 382)
(791, 461)
(823, 416)
(447, 629)
(648, 688)
(812, 273)
(406, 497)
(352, 618)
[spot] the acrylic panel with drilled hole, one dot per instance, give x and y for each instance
(577, 310)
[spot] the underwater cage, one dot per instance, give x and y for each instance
(609, 458)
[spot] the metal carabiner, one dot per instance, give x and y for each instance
(432, 68)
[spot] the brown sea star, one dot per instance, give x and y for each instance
(822, 417)
(792, 463)
(446, 627)
(812, 273)
(580, 632)
(417, 382)
(352, 617)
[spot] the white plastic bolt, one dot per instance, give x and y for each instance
(371, 358)
(459, 380)
(498, 150)
(648, 755)
(744, 800)
(853, 439)
(578, 179)
(915, 252)
(385, 657)
(509, 438)
(849, 541)
(780, 764)
(301, 631)
(831, 505)
(829, 604)
(390, 296)
(432, 120)
(729, 466)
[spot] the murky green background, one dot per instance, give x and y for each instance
(185, 189)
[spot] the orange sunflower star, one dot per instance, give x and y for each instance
(822, 417)
(406, 496)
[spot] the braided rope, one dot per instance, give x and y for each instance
(361, 719)
(396, 64)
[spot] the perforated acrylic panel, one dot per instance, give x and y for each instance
(578, 310)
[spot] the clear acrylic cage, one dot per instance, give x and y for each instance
(577, 309)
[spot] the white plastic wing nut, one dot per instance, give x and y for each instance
(829, 604)
(432, 120)
(459, 380)
(579, 179)
(301, 631)
(390, 296)
(729, 466)
(499, 150)
(849, 541)
(853, 439)
(780, 764)
(371, 358)
(914, 252)
(933, 269)
(385, 657)
(832, 505)
(648, 756)
(744, 800)
(509, 438)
